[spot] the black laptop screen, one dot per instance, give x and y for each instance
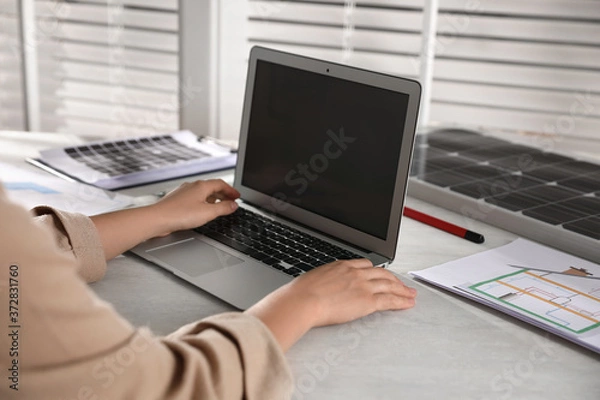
(327, 145)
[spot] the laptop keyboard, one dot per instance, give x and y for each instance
(273, 243)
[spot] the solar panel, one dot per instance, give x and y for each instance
(544, 196)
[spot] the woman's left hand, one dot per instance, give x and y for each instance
(189, 206)
(194, 204)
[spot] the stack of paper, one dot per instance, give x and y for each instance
(32, 189)
(540, 285)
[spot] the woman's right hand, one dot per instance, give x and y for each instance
(334, 293)
(346, 290)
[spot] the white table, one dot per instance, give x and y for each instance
(446, 347)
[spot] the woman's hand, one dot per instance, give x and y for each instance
(343, 291)
(194, 204)
(331, 294)
(188, 206)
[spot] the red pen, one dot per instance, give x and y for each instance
(444, 226)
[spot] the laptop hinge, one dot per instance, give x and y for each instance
(378, 259)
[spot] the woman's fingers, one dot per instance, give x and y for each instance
(388, 301)
(219, 189)
(396, 288)
(224, 207)
(358, 263)
(195, 203)
(378, 273)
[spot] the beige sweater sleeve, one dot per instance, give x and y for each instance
(60, 341)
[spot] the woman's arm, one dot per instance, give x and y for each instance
(338, 292)
(78, 346)
(188, 206)
(334, 293)
(74, 345)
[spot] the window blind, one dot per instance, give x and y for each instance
(12, 115)
(353, 32)
(108, 68)
(520, 65)
(339, 31)
(530, 66)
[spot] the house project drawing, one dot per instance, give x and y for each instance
(545, 287)
(548, 296)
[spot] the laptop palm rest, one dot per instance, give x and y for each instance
(240, 282)
(194, 257)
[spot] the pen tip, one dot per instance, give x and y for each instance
(474, 237)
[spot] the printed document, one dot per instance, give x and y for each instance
(540, 285)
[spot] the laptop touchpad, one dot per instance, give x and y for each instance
(194, 257)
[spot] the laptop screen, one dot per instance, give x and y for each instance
(327, 145)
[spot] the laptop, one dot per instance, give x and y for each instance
(323, 162)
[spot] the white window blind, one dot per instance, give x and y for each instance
(12, 114)
(521, 65)
(108, 67)
(353, 32)
(339, 31)
(518, 65)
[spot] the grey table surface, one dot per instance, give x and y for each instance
(445, 347)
